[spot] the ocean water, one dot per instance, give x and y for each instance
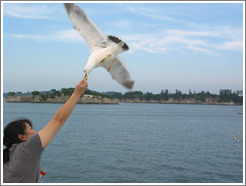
(140, 143)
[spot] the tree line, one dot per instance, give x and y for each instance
(53, 93)
(225, 95)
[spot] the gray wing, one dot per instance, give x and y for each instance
(85, 27)
(119, 72)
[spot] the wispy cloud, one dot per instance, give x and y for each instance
(122, 24)
(151, 13)
(198, 41)
(198, 49)
(167, 41)
(232, 45)
(28, 11)
(64, 36)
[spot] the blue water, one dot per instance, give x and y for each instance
(140, 143)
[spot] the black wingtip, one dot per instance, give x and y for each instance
(117, 41)
(125, 46)
(114, 39)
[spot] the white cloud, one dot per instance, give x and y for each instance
(199, 41)
(232, 45)
(159, 39)
(28, 12)
(194, 33)
(67, 35)
(198, 49)
(64, 36)
(203, 39)
(167, 41)
(152, 13)
(122, 24)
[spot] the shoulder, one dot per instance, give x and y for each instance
(33, 142)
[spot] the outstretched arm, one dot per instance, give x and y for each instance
(50, 130)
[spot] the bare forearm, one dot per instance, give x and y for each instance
(63, 113)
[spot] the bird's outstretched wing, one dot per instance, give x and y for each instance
(119, 72)
(85, 27)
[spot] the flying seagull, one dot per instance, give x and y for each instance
(104, 49)
(236, 137)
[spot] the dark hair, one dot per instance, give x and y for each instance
(11, 132)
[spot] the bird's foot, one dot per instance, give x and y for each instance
(111, 64)
(105, 58)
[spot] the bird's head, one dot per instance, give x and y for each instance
(87, 71)
(89, 66)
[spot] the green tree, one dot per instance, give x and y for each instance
(54, 92)
(177, 95)
(117, 95)
(225, 95)
(44, 96)
(165, 94)
(11, 94)
(67, 91)
(35, 93)
(148, 96)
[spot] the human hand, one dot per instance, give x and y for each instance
(80, 88)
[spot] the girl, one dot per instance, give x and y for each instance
(24, 145)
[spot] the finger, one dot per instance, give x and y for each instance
(82, 81)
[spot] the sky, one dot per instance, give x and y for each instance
(184, 46)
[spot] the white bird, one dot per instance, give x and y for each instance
(104, 49)
(236, 137)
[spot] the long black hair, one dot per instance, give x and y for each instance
(11, 132)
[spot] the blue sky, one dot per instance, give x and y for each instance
(185, 46)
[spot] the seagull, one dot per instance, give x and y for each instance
(104, 48)
(236, 137)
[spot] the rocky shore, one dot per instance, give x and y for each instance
(85, 99)
(209, 101)
(92, 99)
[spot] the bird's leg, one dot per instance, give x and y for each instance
(86, 76)
(111, 64)
(105, 58)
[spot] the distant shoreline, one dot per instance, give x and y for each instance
(91, 99)
(182, 101)
(85, 99)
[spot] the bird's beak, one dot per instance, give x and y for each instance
(86, 76)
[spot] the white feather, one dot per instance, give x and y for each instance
(85, 27)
